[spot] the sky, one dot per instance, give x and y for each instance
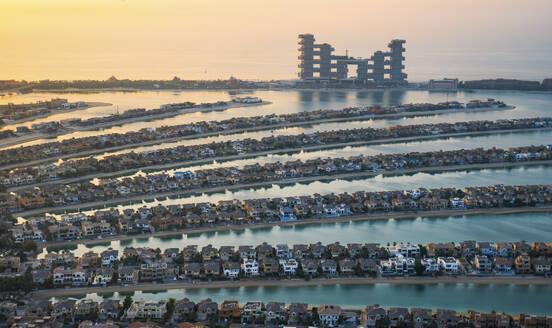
(257, 39)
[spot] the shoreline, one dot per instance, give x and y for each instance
(32, 136)
(149, 287)
(276, 151)
(90, 104)
(72, 129)
(88, 90)
(150, 197)
(251, 129)
(325, 220)
(431, 169)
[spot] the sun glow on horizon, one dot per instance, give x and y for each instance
(91, 39)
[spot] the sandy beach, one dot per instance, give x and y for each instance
(323, 220)
(148, 287)
(116, 201)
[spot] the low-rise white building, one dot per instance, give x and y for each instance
(109, 256)
(146, 310)
(231, 269)
(250, 267)
(329, 315)
(398, 265)
(457, 203)
(448, 264)
(431, 265)
(289, 266)
(404, 249)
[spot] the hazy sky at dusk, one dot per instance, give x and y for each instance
(71, 39)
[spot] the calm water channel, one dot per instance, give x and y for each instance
(528, 104)
(530, 227)
(510, 299)
(511, 227)
(457, 179)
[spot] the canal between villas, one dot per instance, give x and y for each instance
(506, 227)
(460, 297)
(529, 175)
(528, 104)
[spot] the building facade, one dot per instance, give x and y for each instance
(317, 62)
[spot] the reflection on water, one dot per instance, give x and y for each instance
(456, 179)
(459, 297)
(290, 101)
(511, 227)
(487, 141)
(529, 227)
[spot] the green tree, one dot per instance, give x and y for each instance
(5, 242)
(383, 322)
(27, 284)
(170, 308)
(22, 256)
(29, 246)
(423, 250)
(127, 302)
(315, 317)
(358, 270)
(49, 283)
(419, 268)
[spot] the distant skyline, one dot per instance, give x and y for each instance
(208, 39)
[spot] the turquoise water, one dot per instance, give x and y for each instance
(510, 227)
(459, 297)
